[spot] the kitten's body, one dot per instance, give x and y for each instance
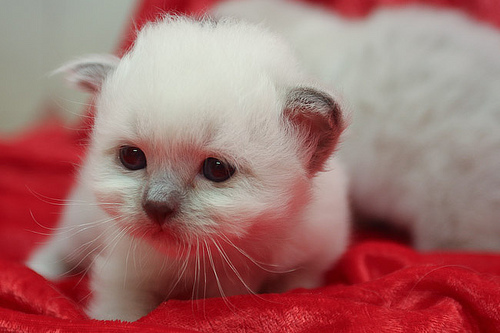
(187, 92)
(423, 146)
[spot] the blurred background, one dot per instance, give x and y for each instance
(38, 36)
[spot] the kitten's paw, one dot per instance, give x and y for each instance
(115, 311)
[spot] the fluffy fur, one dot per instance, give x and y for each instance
(187, 91)
(423, 148)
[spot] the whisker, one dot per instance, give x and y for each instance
(217, 280)
(75, 266)
(115, 241)
(194, 294)
(70, 230)
(86, 226)
(126, 264)
(39, 224)
(135, 251)
(85, 272)
(205, 283)
(185, 251)
(233, 268)
(66, 201)
(254, 261)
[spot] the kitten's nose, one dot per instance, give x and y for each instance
(158, 211)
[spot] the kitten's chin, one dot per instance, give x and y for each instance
(171, 239)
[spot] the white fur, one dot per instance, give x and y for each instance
(187, 91)
(423, 150)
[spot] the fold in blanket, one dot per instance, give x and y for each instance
(379, 285)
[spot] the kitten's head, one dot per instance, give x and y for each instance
(205, 129)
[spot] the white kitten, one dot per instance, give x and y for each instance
(423, 150)
(204, 176)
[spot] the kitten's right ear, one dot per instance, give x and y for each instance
(88, 73)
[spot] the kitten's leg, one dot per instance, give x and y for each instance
(73, 241)
(119, 299)
(112, 301)
(128, 285)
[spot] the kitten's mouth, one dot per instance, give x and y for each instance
(154, 230)
(173, 241)
(172, 233)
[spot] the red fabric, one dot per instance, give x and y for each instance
(379, 285)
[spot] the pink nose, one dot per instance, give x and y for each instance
(158, 212)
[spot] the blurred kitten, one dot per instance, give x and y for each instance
(209, 172)
(423, 149)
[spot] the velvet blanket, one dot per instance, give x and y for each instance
(380, 285)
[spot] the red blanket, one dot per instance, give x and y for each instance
(379, 285)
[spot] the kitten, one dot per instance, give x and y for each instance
(423, 149)
(209, 172)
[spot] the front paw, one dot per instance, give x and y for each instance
(120, 303)
(117, 310)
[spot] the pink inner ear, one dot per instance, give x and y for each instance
(89, 73)
(318, 120)
(90, 76)
(88, 86)
(321, 137)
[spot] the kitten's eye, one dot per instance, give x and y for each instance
(132, 158)
(216, 170)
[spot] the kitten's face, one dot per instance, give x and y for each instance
(211, 165)
(201, 131)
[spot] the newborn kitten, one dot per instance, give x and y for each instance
(209, 172)
(423, 150)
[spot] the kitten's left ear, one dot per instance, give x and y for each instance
(317, 120)
(89, 73)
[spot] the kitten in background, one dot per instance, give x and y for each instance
(423, 148)
(209, 173)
